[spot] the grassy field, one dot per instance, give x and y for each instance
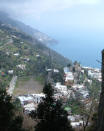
(27, 85)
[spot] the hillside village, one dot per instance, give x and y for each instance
(73, 88)
(74, 84)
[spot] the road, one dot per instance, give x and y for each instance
(12, 85)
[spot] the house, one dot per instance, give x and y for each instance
(61, 88)
(26, 59)
(29, 107)
(26, 99)
(48, 70)
(81, 89)
(37, 55)
(10, 72)
(38, 97)
(16, 54)
(30, 102)
(94, 74)
(21, 66)
(56, 71)
(57, 96)
(69, 79)
(77, 86)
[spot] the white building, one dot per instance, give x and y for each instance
(77, 86)
(69, 76)
(61, 88)
(37, 55)
(77, 124)
(30, 102)
(56, 71)
(38, 97)
(21, 66)
(16, 54)
(57, 96)
(29, 107)
(95, 74)
(26, 99)
(10, 72)
(81, 89)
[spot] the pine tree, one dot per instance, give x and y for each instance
(8, 120)
(50, 113)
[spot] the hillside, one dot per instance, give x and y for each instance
(34, 33)
(22, 55)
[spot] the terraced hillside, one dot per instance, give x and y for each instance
(21, 56)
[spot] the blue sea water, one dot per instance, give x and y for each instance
(85, 49)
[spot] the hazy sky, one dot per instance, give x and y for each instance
(57, 14)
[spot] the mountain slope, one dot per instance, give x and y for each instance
(26, 33)
(35, 34)
(24, 56)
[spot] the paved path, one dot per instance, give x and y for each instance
(12, 85)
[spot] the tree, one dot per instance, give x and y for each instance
(93, 122)
(88, 114)
(8, 120)
(50, 114)
(100, 123)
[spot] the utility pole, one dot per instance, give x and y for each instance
(50, 72)
(100, 123)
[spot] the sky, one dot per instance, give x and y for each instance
(65, 15)
(78, 23)
(57, 14)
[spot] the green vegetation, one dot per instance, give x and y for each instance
(40, 79)
(74, 105)
(9, 120)
(51, 114)
(18, 52)
(94, 89)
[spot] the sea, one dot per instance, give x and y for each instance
(84, 49)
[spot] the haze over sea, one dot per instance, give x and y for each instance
(82, 47)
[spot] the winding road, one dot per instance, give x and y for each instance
(12, 85)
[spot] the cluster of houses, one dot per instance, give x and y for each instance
(95, 73)
(30, 102)
(82, 90)
(70, 89)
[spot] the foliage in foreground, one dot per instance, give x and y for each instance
(50, 114)
(9, 121)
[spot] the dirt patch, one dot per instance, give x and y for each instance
(29, 86)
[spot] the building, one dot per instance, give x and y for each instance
(16, 54)
(30, 102)
(26, 99)
(10, 72)
(69, 79)
(56, 71)
(38, 97)
(21, 66)
(61, 88)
